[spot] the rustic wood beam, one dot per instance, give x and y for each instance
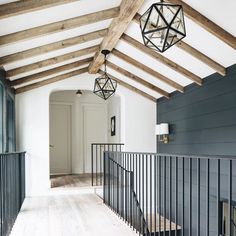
(164, 60)
(26, 6)
(195, 53)
(148, 70)
(59, 26)
(52, 47)
(46, 73)
(130, 87)
(128, 9)
(51, 61)
(51, 80)
(137, 79)
(201, 57)
(207, 24)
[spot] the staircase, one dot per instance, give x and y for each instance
(160, 194)
(121, 197)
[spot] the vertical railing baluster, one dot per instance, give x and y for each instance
(92, 162)
(164, 194)
(100, 165)
(198, 197)
(150, 169)
(159, 205)
(190, 197)
(207, 197)
(183, 198)
(176, 195)
(218, 198)
(170, 195)
(229, 226)
(96, 153)
(155, 194)
(146, 199)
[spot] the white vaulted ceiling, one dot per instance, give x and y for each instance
(221, 13)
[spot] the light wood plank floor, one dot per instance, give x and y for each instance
(68, 181)
(68, 215)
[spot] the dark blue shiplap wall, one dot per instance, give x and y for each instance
(202, 121)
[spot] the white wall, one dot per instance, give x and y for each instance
(32, 117)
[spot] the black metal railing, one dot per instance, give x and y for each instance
(97, 150)
(12, 189)
(119, 195)
(177, 194)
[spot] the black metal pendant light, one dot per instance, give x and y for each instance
(162, 26)
(104, 86)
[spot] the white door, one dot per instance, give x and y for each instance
(95, 130)
(60, 139)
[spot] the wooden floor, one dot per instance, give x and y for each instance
(67, 181)
(68, 215)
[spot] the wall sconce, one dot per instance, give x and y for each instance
(162, 131)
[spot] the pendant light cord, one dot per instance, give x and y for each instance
(105, 64)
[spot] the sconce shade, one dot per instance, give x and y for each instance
(158, 129)
(164, 128)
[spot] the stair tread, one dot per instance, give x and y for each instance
(165, 224)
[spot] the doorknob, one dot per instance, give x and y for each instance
(51, 146)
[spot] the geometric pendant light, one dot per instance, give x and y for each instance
(162, 26)
(104, 86)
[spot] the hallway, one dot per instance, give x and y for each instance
(68, 215)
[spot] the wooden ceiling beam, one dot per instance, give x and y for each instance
(164, 60)
(26, 6)
(137, 79)
(207, 24)
(51, 61)
(46, 73)
(51, 80)
(195, 53)
(148, 70)
(202, 57)
(128, 9)
(130, 87)
(59, 26)
(52, 47)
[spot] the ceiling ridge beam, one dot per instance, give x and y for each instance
(26, 6)
(164, 60)
(207, 24)
(51, 61)
(51, 80)
(137, 79)
(59, 26)
(148, 70)
(195, 53)
(46, 73)
(128, 9)
(52, 47)
(130, 87)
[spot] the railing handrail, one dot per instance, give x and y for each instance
(11, 153)
(108, 144)
(190, 156)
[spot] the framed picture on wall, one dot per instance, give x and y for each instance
(113, 126)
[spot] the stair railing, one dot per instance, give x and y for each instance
(97, 150)
(119, 195)
(179, 195)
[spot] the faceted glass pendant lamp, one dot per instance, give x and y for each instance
(162, 26)
(104, 86)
